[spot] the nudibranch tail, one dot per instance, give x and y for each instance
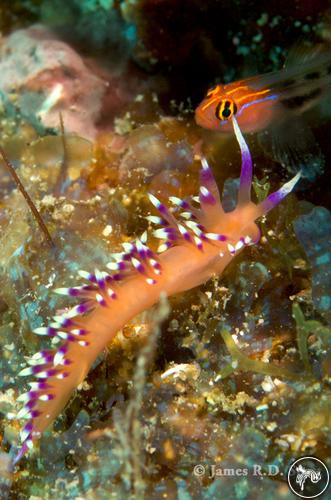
(196, 244)
(48, 393)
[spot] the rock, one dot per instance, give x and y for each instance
(45, 76)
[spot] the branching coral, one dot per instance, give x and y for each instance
(128, 426)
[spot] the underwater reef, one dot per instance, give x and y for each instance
(97, 110)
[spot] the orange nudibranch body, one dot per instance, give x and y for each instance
(198, 243)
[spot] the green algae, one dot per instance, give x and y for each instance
(305, 328)
(240, 362)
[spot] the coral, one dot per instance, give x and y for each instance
(158, 155)
(97, 22)
(317, 222)
(155, 149)
(50, 78)
(5, 476)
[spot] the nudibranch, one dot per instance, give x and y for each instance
(199, 240)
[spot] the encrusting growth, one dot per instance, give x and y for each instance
(199, 241)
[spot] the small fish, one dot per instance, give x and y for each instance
(272, 104)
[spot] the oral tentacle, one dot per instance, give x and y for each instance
(273, 199)
(246, 174)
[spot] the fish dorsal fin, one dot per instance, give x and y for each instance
(302, 52)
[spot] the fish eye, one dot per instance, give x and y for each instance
(225, 109)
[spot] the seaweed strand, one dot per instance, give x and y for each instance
(27, 198)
